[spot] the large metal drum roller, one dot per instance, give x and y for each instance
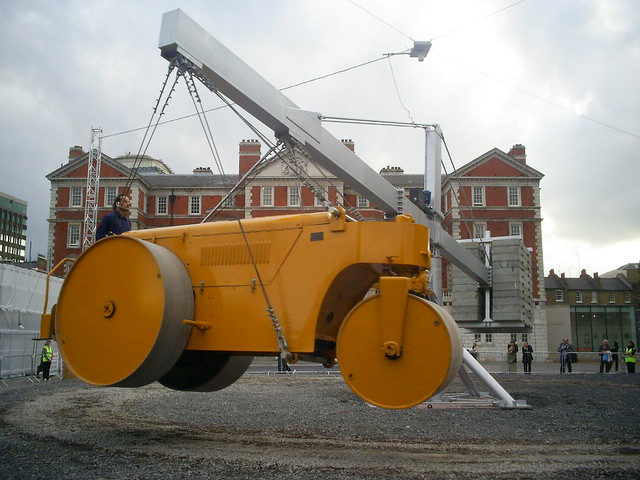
(396, 350)
(120, 312)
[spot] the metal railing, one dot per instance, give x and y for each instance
(26, 365)
(549, 362)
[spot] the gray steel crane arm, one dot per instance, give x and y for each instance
(181, 36)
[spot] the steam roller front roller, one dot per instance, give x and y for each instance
(396, 350)
(119, 318)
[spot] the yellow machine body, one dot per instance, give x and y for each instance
(186, 305)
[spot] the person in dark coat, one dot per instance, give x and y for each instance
(527, 357)
(614, 355)
(116, 222)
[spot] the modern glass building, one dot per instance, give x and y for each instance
(13, 228)
(590, 309)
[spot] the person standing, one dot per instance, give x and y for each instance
(512, 356)
(116, 222)
(565, 350)
(47, 357)
(614, 355)
(605, 356)
(527, 357)
(630, 357)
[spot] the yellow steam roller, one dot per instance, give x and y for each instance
(190, 306)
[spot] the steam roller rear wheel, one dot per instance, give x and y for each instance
(120, 311)
(431, 354)
(205, 371)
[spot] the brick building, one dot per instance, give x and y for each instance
(161, 198)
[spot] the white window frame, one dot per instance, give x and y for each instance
(479, 229)
(195, 201)
(477, 337)
(73, 235)
(559, 295)
(594, 296)
(515, 229)
(513, 196)
(266, 196)
(488, 338)
(578, 296)
(477, 196)
(110, 194)
(361, 201)
(75, 197)
(162, 205)
(229, 202)
(612, 297)
(627, 297)
(293, 194)
(525, 337)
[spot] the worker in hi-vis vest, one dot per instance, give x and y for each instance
(47, 357)
(630, 357)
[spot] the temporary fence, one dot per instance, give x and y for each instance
(551, 362)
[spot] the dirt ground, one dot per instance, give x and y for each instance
(309, 427)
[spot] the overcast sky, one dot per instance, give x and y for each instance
(559, 76)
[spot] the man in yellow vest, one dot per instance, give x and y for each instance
(630, 357)
(47, 356)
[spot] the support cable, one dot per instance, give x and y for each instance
(142, 150)
(281, 340)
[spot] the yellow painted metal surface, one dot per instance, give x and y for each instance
(430, 357)
(111, 311)
(299, 258)
(125, 307)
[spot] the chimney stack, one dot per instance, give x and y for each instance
(249, 155)
(391, 171)
(75, 152)
(518, 151)
(349, 144)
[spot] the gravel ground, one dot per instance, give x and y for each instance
(309, 427)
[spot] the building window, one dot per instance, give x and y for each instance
(480, 230)
(76, 196)
(525, 337)
(294, 196)
(514, 337)
(627, 297)
(594, 297)
(229, 202)
(73, 237)
(515, 229)
(162, 205)
(488, 337)
(362, 202)
(578, 296)
(110, 194)
(266, 196)
(478, 196)
(477, 338)
(194, 205)
(559, 296)
(612, 297)
(514, 196)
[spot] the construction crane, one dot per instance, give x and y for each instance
(92, 189)
(193, 304)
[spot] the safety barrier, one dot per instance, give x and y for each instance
(548, 362)
(26, 365)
